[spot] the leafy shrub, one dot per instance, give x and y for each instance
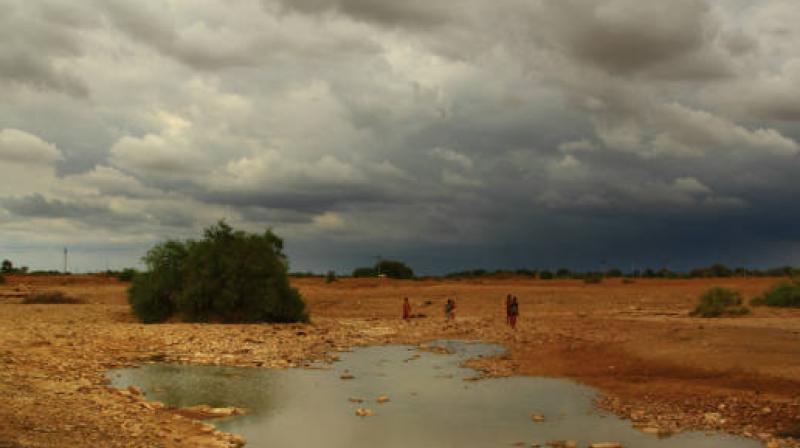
(50, 297)
(394, 269)
(228, 276)
(786, 294)
(364, 272)
(593, 279)
(2, 279)
(126, 275)
(546, 275)
(719, 301)
(330, 277)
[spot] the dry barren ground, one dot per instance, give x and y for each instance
(656, 366)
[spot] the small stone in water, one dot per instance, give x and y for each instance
(364, 412)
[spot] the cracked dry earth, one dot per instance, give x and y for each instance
(664, 371)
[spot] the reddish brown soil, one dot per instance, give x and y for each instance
(634, 341)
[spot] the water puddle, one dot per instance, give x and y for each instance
(430, 403)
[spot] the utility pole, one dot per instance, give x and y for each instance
(65, 260)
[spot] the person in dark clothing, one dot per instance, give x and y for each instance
(450, 309)
(513, 312)
(508, 309)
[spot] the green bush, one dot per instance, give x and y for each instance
(719, 301)
(330, 277)
(546, 275)
(2, 279)
(228, 276)
(593, 279)
(394, 269)
(786, 294)
(153, 294)
(364, 272)
(126, 275)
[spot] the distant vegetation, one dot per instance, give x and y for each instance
(50, 297)
(718, 302)
(330, 277)
(7, 267)
(713, 271)
(124, 275)
(388, 268)
(228, 276)
(2, 279)
(785, 294)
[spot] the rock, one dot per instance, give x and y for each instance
(364, 412)
(605, 445)
(562, 444)
(355, 400)
(237, 440)
(538, 418)
(382, 399)
(225, 412)
(134, 390)
(712, 418)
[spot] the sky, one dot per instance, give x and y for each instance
(450, 134)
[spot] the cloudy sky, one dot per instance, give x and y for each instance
(450, 134)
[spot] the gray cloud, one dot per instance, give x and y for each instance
(452, 134)
(35, 40)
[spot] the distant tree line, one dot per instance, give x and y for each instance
(7, 267)
(716, 270)
(387, 268)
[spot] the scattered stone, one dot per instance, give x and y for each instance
(134, 390)
(605, 445)
(538, 418)
(364, 412)
(355, 400)
(382, 399)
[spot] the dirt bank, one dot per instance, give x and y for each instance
(633, 341)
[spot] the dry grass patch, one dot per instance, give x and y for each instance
(50, 297)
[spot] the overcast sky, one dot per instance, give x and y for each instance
(450, 134)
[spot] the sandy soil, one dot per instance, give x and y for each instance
(656, 366)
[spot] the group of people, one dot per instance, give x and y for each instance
(512, 310)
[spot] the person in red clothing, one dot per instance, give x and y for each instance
(513, 313)
(406, 309)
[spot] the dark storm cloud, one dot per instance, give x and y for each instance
(626, 36)
(37, 206)
(450, 134)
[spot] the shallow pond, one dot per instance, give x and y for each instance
(431, 405)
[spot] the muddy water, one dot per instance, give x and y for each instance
(431, 404)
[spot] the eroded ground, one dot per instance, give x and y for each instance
(658, 367)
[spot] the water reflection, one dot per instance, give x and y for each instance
(431, 404)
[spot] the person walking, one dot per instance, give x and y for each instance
(450, 309)
(406, 309)
(514, 313)
(508, 309)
